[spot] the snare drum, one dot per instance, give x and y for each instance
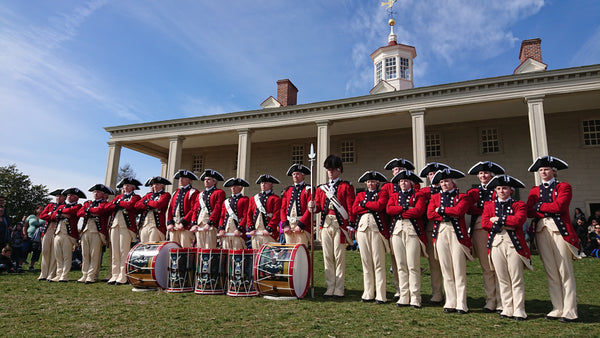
(282, 269)
(239, 279)
(211, 271)
(147, 264)
(182, 269)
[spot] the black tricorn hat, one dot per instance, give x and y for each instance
(236, 181)
(372, 175)
(446, 173)
(267, 178)
(57, 192)
(74, 191)
(212, 173)
(432, 167)
(157, 179)
(333, 162)
(185, 173)
(102, 188)
(486, 166)
(406, 175)
(548, 161)
(298, 167)
(129, 180)
(505, 181)
(399, 162)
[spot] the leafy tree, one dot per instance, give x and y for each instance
(125, 171)
(21, 195)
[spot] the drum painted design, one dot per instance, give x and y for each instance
(211, 271)
(239, 278)
(282, 269)
(182, 269)
(147, 264)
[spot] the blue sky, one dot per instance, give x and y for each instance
(70, 68)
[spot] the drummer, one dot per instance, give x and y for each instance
(153, 206)
(207, 210)
(295, 215)
(264, 213)
(181, 207)
(232, 228)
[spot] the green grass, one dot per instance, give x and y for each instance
(32, 308)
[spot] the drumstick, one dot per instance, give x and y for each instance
(228, 234)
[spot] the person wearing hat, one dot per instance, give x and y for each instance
(451, 238)
(408, 239)
(207, 212)
(48, 262)
(123, 229)
(503, 218)
(372, 235)
(434, 265)
(232, 229)
(555, 238)
(396, 165)
(66, 233)
(485, 171)
(94, 232)
(264, 213)
(181, 210)
(295, 215)
(153, 207)
(334, 201)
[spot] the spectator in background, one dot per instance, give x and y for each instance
(582, 232)
(578, 214)
(594, 216)
(17, 242)
(6, 263)
(593, 249)
(34, 230)
(592, 225)
(4, 229)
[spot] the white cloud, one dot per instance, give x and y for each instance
(589, 53)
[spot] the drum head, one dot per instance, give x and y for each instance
(161, 263)
(301, 271)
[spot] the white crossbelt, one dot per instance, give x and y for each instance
(336, 203)
(260, 206)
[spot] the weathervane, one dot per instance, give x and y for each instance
(390, 5)
(391, 21)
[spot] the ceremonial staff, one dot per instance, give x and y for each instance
(311, 157)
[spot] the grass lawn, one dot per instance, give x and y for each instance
(32, 308)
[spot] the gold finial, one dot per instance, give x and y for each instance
(391, 22)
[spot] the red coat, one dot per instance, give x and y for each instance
(217, 196)
(46, 215)
(516, 220)
(128, 207)
(376, 207)
(560, 205)
(474, 195)
(345, 194)
(461, 206)
(70, 212)
(101, 210)
(158, 205)
(241, 210)
(272, 206)
(305, 197)
(418, 202)
(189, 203)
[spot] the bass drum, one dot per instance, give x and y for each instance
(147, 264)
(282, 270)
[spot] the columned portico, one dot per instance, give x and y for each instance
(322, 150)
(418, 136)
(112, 165)
(537, 128)
(174, 161)
(163, 169)
(243, 156)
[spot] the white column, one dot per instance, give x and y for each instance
(174, 161)
(537, 129)
(322, 150)
(244, 153)
(112, 164)
(418, 137)
(163, 169)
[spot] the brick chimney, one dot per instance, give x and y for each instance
(531, 49)
(287, 93)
